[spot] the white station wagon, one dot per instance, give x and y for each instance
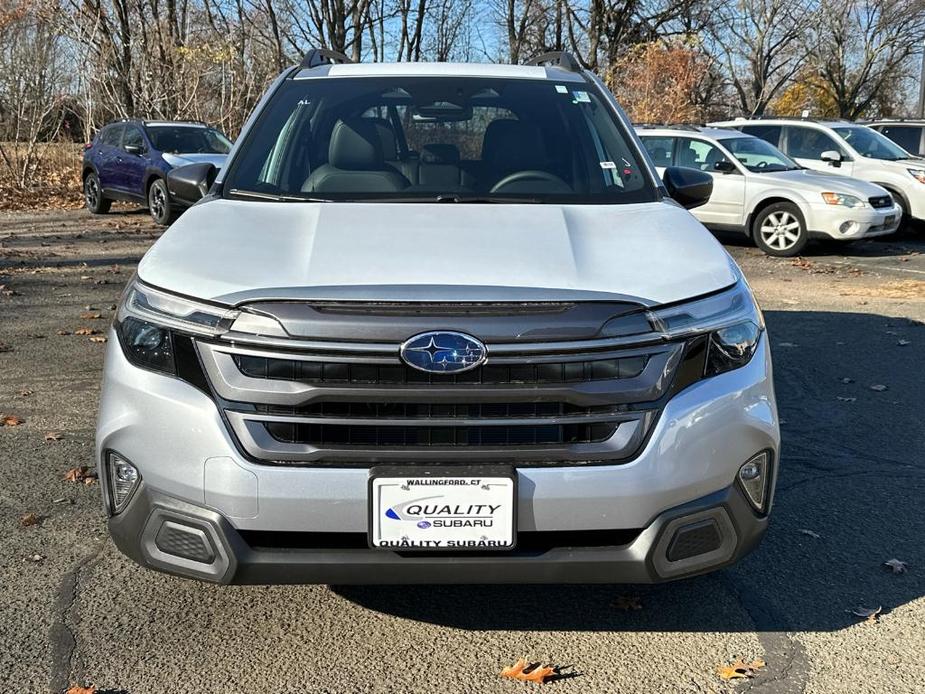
(760, 191)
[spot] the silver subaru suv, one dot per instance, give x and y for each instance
(437, 323)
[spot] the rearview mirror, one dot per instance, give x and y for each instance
(724, 166)
(832, 157)
(688, 187)
(191, 183)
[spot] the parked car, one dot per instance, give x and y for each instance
(761, 192)
(129, 160)
(438, 323)
(908, 134)
(849, 149)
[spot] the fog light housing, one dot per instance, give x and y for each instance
(123, 478)
(754, 478)
(848, 228)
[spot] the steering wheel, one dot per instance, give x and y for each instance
(530, 175)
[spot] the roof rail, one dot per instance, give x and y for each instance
(562, 59)
(323, 56)
(692, 127)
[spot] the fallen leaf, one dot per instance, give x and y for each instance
(536, 674)
(740, 670)
(628, 602)
(86, 331)
(81, 473)
(77, 689)
(62, 332)
(90, 315)
(99, 338)
(847, 380)
(868, 614)
(903, 343)
(846, 399)
(25, 392)
(879, 387)
(811, 533)
(27, 519)
(53, 436)
(896, 566)
(34, 558)
(11, 420)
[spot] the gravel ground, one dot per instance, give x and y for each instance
(842, 319)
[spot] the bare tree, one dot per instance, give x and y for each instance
(763, 44)
(862, 48)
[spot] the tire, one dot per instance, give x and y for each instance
(159, 206)
(93, 195)
(780, 230)
(905, 222)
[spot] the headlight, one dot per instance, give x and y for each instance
(917, 174)
(843, 199)
(151, 324)
(731, 320)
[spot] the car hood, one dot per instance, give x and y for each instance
(218, 160)
(233, 252)
(825, 181)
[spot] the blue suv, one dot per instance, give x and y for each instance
(129, 160)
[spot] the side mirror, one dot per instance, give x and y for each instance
(190, 183)
(832, 157)
(688, 187)
(134, 149)
(724, 166)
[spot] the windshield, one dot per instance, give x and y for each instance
(870, 143)
(188, 139)
(426, 139)
(758, 156)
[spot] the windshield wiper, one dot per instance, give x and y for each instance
(274, 196)
(493, 199)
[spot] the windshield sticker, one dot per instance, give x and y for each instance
(562, 89)
(582, 97)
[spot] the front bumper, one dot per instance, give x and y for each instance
(850, 224)
(224, 556)
(191, 469)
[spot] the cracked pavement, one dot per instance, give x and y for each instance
(841, 320)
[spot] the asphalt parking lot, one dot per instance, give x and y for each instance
(848, 336)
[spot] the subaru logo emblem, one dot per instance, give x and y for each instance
(443, 352)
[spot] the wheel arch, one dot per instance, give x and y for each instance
(764, 203)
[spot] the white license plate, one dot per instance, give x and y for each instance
(442, 509)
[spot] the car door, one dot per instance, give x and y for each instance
(806, 144)
(726, 207)
(132, 165)
(107, 159)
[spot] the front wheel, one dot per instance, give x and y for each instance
(779, 230)
(159, 203)
(93, 195)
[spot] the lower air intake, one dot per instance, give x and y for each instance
(184, 541)
(695, 539)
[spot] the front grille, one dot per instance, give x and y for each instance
(880, 201)
(359, 404)
(325, 372)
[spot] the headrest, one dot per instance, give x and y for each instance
(356, 145)
(439, 154)
(512, 145)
